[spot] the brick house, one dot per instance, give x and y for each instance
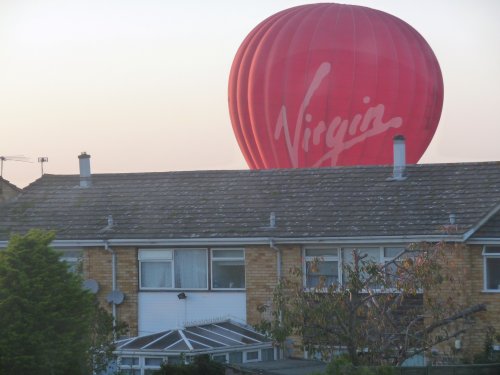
(164, 249)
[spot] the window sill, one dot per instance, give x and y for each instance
(490, 291)
(192, 290)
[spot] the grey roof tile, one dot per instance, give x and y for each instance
(325, 202)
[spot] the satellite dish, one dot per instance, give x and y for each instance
(91, 285)
(115, 297)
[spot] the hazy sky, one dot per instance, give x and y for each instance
(141, 85)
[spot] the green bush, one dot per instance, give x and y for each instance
(342, 366)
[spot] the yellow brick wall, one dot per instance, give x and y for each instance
(466, 289)
(474, 342)
(261, 278)
(97, 266)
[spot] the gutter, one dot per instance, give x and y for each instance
(254, 241)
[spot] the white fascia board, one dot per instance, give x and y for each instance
(481, 222)
(225, 349)
(254, 241)
(257, 241)
(484, 241)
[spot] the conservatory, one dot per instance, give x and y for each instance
(225, 341)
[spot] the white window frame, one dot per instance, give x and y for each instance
(149, 367)
(134, 368)
(165, 255)
(323, 258)
(212, 258)
(226, 356)
(340, 258)
(487, 256)
(71, 260)
(245, 354)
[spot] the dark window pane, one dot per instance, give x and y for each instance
(267, 354)
(252, 356)
(493, 273)
(326, 272)
(228, 253)
(236, 357)
(228, 274)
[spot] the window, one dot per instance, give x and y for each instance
(228, 269)
(267, 354)
(389, 254)
(73, 258)
(491, 256)
(252, 356)
(221, 358)
(322, 267)
(153, 362)
(173, 269)
(129, 366)
(129, 361)
(236, 357)
(368, 255)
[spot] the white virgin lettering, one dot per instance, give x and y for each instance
(339, 134)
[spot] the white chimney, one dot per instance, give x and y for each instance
(399, 158)
(85, 176)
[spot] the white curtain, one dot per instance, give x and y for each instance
(190, 268)
(156, 274)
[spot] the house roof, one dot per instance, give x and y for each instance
(9, 184)
(340, 202)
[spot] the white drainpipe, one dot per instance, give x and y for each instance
(113, 276)
(278, 260)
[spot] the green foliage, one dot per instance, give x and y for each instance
(49, 324)
(378, 314)
(488, 355)
(202, 365)
(343, 366)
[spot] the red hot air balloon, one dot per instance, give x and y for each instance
(329, 84)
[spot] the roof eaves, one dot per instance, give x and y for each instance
(481, 222)
(240, 241)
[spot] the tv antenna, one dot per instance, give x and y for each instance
(41, 160)
(21, 158)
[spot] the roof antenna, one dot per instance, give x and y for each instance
(41, 160)
(12, 158)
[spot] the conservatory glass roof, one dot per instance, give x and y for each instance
(197, 339)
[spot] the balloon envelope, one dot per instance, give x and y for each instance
(328, 84)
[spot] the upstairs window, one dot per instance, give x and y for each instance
(367, 255)
(173, 269)
(228, 269)
(322, 267)
(491, 256)
(73, 258)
